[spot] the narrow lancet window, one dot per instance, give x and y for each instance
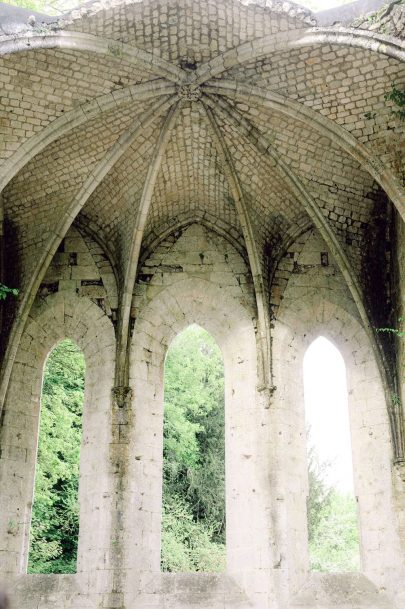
(55, 513)
(193, 521)
(332, 508)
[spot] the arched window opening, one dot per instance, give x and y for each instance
(332, 507)
(55, 513)
(193, 521)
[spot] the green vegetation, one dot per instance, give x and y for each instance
(193, 535)
(397, 107)
(397, 97)
(46, 7)
(399, 332)
(193, 529)
(194, 504)
(55, 516)
(5, 291)
(332, 523)
(35, 5)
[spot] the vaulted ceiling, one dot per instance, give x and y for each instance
(134, 117)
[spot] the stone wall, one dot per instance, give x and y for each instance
(59, 316)
(317, 303)
(222, 163)
(197, 276)
(71, 304)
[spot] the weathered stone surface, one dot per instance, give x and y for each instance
(223, 163)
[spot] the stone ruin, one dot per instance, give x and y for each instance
(236, 164)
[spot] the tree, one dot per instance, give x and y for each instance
(319, 493)
(55, 515)
(47, 7)
(193, 527)
(332, 522)
(335, 545)
(193, 520)
(194, 455)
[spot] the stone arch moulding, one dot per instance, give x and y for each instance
(77, 117)
(334, 132)
(59, 316)
(91, 230)
(210, 221)
(183, 302)
(79, 41)
(301, 319)
(258, 48)
(66, 220)
(138, 228)
(372, 41)
(173, 75)
(318, 219)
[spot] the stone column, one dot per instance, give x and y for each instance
(18, 442)
(1, 260)
(399, 465)
(121, 410)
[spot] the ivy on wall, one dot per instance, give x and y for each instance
(397, 97)
(5, 291)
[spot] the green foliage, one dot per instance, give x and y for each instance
(55, 517)
(193, 523)
(187, 544)
(193, 534)
(5, 291)
(397, 96)
(332, 523)
(335, 545)
(319, 493)
(115, 50)
(46, 7)
(399, 332)
(35, 5)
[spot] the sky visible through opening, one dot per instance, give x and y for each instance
(327, 413)
(323, 5)
(56, 7)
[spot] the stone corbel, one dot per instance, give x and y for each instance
(121, 396)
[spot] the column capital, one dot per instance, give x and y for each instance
(121, 396)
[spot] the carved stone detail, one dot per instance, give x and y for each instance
(189, 92)
(121, 396)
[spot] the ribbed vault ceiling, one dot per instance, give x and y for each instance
(140, 136)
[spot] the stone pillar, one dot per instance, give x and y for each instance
(18, 442)
(96, 487)
(250, 552)
(401, 307)
(399, 466)
(1, 261)
(59, 316)
(121, 404)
